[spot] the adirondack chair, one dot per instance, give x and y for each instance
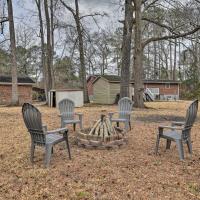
(124, 112)
(67, 114)
(179, 132)
(39, 134)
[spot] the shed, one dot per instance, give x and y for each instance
(107, 87)
(76, 95)
(24, 89)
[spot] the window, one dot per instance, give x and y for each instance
(167, 85)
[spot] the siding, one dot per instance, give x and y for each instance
(101, 91)
(114, 90)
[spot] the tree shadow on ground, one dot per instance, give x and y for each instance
(159, 118)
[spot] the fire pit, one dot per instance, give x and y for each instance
(102, 135)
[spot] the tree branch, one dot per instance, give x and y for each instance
(69, 8)
(150, 4)
(197, 1)
(161, 25)
(4, 41)
(170, 36)
(93, 15)
(3, 19)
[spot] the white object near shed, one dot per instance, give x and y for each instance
(55, 96)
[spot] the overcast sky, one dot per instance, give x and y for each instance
(24, 10)
(25, 16)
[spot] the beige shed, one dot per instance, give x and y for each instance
(106, 88)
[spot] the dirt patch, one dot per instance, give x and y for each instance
(159, 118)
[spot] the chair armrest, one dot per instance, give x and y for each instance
(44, 127)
(59, 130)
(112, 113)
(79, 114)
(170, 127)
(178, 123)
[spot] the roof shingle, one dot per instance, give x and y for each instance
(20, 79)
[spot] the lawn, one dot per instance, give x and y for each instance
(132, 172)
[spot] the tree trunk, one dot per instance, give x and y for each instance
(138, 57)
(155, 61)
(126, 50)
(52, 40)
(81, 52)
(15, 97)
(38, 3)
(170, 59)
(174, 67)
(49, 51)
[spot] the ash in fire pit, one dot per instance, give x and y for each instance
(102, 135)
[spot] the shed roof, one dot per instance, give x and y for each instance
(116, 79)
(20, 79)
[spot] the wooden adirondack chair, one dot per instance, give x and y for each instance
(67, 114)
(179, 132)
(39, 134)
(125, 106)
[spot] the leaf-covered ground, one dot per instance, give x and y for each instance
(133, 172)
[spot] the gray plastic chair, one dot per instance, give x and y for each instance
(125, 106)
(39, 134)
(179, 132)
(67, 114)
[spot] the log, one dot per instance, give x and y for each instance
(94, 127)
(101, 131)
(97, 129)
(105, 128)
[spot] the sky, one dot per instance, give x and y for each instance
(25, 16)
(25, 9)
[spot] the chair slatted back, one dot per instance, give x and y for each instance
(125, 106)
(33, 122)
(190, 118)
(66, 107)
(191, 114)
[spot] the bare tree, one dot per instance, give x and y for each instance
(49, 50)
(15, 97)
(38, 3)
(140, 44)
(76, 16)
(126, 49)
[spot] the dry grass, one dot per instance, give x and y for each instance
(132, 172)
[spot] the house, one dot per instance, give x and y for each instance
(106, 88)
(24, 89)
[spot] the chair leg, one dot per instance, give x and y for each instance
(81, 125)
(180, 149)
(130, 125)
(74, 127)
(168, 144)
(157, 144)
(117, 124)
(189, 145)
(32, 151)
(68, 147)
(126, 126)
(48, 149)
(52, 150)
(62, 123)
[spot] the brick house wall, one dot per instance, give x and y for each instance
(165, 89)
(25, 94)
